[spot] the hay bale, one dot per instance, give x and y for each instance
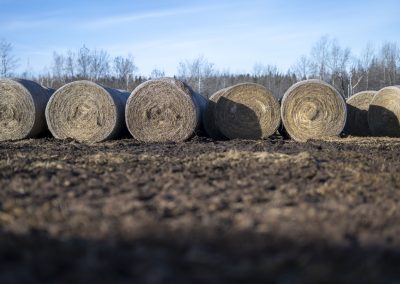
(164, 110)
(384, 112)
(313, 109)
(209, 123)
(22, 106)
(357, 113)
(87, 112)
(247, 111)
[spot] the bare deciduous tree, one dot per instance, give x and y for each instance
(389, 56)
(58, 66)
(8, 62)
(83, 62)
(302, 68)
(366, 60)
(319, 57)
(338, 58)
(124, 68)
(258, 69)
(195, 71)
(99, 64)
(327, 60)
(156, 73)
(70, 64)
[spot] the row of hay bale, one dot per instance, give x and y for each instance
(166, 109)
(310, 109)
(158, 110)
(375, 113)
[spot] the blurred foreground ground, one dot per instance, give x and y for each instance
(202, 211)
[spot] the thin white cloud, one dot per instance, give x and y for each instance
(128, 18)
(16, 23)
(20, 25)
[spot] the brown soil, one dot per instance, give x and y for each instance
(271, 211)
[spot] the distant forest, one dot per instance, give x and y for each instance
(374, 68)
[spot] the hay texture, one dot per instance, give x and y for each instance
(313, 109)
(87, 112)
(384, 112)
(22, 107)
(164, 110)
(209, 123)
(357, 113)
(247, 111)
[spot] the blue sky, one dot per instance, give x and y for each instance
(232, 34)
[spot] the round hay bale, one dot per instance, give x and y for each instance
(164, 110)
(247, 111)
(209, 123)
(22, 107)
(384, 112)
(87, 112)
(313, 109)
(357, 113)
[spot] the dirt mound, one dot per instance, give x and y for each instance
(202, 211)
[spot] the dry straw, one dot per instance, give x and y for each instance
(247, 111)
(209, 122)
(357, 113)
(384, 112)
(87, 112)
(313, 109)
(22, 106)
(164, 110)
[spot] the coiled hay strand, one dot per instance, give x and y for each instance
(164, 110)
(22, 107)
(209, 123)
(384, 112)
(357, 113)
(313, 109)
(247, 111)
(87, 112)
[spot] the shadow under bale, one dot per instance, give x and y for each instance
(247, 111)
(243, 121)
(209, 123)
(384, 112)
(357, 114)
(383, 122)
(359, 121)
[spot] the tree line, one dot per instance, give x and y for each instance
(375, 67)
